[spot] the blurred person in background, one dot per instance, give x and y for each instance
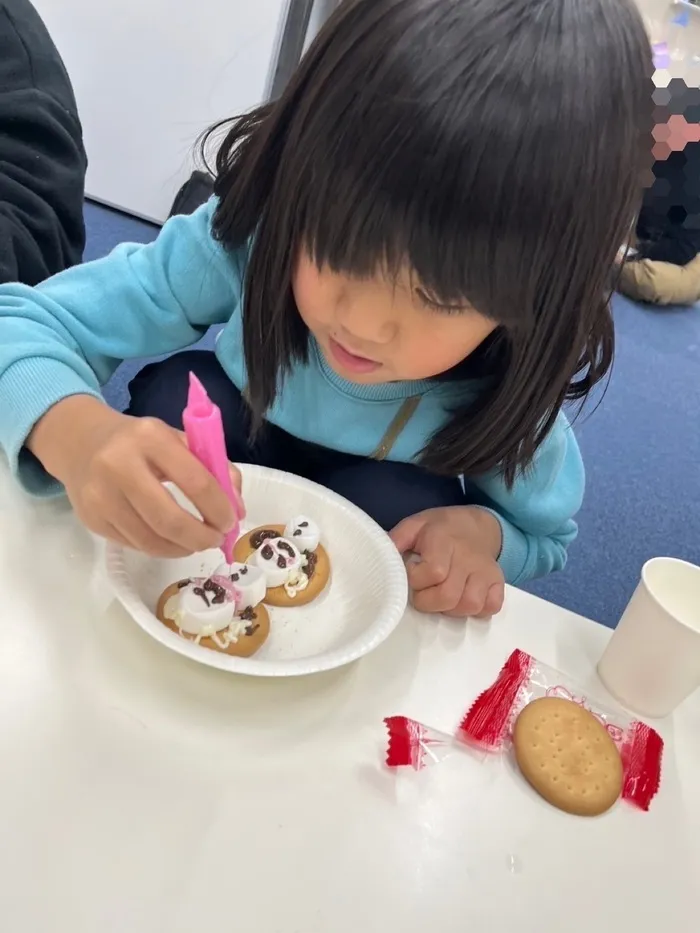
(665, 264)
(42, 159)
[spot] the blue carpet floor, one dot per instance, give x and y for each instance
(641, 447)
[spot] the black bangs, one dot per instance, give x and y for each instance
(468, 166)
(493, 151)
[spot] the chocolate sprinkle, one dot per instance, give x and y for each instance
(235, 578)
(297, 533)
(267, 552)
(303, 524)
(183, 583)
(198, 591)
(249, 614)
(219, 597)
(257, 538)
(252, 629)
(244, 570)
(281, 562)
(287, 547)
(311, 561)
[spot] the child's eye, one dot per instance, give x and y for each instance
(434, 305)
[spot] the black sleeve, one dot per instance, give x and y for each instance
(678, 246)
(42, 159)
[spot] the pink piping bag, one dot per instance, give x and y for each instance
(204, 430)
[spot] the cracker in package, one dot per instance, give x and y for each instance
(553, 741)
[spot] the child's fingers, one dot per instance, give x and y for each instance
(237, 481)
(138, 535)
(405, 534)
(443, 598)
(235, 473)
(236, 477)
(495, 599)
(111, 534)
(163, 515)
(482, 597)
(435, 550)
(473, 597)
(127, 528)
(182, 468)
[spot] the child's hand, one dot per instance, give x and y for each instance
(112, 467)
(458, 572)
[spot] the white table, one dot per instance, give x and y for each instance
(140, 792)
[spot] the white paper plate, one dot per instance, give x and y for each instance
(360, 607)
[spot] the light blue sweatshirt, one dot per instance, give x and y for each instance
(68, 335)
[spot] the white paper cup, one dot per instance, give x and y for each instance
(652, 662)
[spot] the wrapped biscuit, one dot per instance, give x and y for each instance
(489, 724)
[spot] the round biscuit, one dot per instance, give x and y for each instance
(278, 596)
(243, 648)
(567, 756)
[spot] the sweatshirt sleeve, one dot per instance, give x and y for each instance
(67, 336)
(537, 514)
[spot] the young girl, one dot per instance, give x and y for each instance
(410, 252)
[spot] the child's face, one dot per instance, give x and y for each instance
(376, 330)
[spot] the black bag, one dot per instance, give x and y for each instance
(196, 191)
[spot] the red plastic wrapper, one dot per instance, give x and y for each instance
(488, 724)
(412, 743)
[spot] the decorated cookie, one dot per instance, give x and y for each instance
(566, 754)
(293, 561)
(214, 612)
(249, 581)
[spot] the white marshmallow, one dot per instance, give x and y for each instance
(303, 533)
(192, 615)
(276, 575)
(249, 581)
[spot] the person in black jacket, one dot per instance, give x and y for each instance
(668, 229)
(42, 159)
(665, 268)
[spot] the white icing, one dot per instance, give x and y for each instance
(303, 533)
(296, 583)
(274, 574)
(226, 637)
(199, 616)
(251, 584)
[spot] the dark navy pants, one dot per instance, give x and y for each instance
(387, 491)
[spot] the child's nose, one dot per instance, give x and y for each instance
(367, 324)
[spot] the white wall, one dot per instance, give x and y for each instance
(150, 75)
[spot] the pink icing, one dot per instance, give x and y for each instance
(232, 593)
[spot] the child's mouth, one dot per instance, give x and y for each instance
(350, 361)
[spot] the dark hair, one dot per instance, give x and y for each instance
(497, 148)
